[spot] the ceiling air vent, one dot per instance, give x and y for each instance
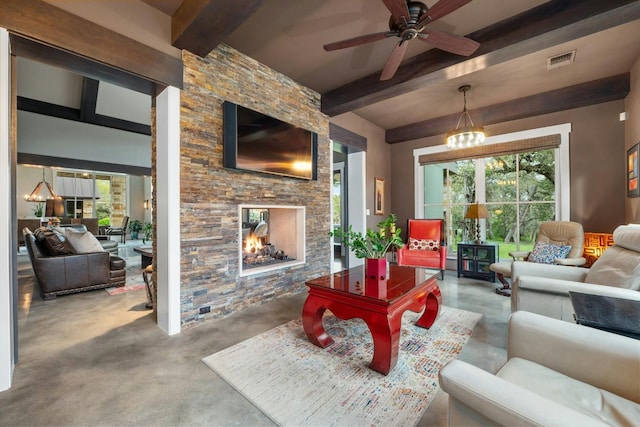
(561, 60)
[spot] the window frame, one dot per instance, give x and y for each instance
(562, 166)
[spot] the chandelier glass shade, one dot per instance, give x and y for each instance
(468, 135)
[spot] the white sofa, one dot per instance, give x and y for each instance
(556, 374)
(544, 289)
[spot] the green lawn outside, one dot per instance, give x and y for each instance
(505, 248)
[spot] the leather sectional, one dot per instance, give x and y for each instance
(60, 270)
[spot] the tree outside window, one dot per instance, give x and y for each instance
(519, 194)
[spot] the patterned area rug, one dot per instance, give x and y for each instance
(295, 383)
(125, 288)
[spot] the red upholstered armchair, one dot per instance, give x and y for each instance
(425, 245)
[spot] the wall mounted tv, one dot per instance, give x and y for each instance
(256, 142)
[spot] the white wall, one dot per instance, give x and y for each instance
(50, 136)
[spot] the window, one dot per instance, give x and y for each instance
(519, 190)
(80, 190)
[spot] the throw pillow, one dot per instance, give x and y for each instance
(545, 253)
(424, 244)
(53, 242)
(83, 241)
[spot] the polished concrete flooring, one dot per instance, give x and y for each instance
(95, 359)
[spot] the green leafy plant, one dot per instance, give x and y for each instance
(147, 232)
(135, 226)
(39, 210)
(373, 244)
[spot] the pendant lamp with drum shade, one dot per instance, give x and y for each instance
(468, 135)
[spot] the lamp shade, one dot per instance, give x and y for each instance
(476, 211)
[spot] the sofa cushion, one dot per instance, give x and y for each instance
(83, 241)
(546, 253)
(585, 398)
(424, 244)
(53, 242)
(616, 267)
(628, 237)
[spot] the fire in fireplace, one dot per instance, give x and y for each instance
(258, 254)
(257, 250)
(271, 237)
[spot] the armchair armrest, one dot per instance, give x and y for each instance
(477, 397)
(602, 359)
(578, 261)
(550, 297)
(525, 268)
(521, 255)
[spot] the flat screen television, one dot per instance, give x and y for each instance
(256, 142)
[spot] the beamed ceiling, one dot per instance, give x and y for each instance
(508, 73)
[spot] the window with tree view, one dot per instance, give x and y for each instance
(518, 190)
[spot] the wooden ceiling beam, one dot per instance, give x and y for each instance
(64, 162)
(547, 25)
(68, 113)
(40, 21)
(200, 25)
(89, 98)
(576, 96)
(26, 48)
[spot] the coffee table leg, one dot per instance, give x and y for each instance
(386, 341)
(432, 304)
(312, 312)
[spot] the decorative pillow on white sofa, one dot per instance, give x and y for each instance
(546, 253)
(83, 241)
(424, 244)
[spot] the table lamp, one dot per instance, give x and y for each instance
(476, 211)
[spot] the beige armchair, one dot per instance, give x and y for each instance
(556, 374)
(544, 289)
(561, 233)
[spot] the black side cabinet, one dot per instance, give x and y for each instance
(474, 260)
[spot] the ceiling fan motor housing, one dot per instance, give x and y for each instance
(416, 10)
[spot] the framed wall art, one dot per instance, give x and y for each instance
(632, 172)
(378, 196)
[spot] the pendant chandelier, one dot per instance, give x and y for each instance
(35, 194)
(468, 135)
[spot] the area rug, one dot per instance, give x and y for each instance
(295, 383)
(125, 288)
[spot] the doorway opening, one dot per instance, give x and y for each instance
(340, 216)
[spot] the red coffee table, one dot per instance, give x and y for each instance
(380, 303)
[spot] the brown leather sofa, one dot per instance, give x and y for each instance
(65, 272)
(31, 224)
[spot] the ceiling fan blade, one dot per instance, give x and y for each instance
(398, 8)
(357, 41)
(395, 58)
(450, 42)
(440, 9)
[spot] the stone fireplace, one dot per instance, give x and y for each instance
(270, 237)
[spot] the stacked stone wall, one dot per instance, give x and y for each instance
(210, 194)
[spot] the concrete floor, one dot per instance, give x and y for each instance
(95, 359)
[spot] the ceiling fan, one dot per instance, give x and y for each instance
(407, 21)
